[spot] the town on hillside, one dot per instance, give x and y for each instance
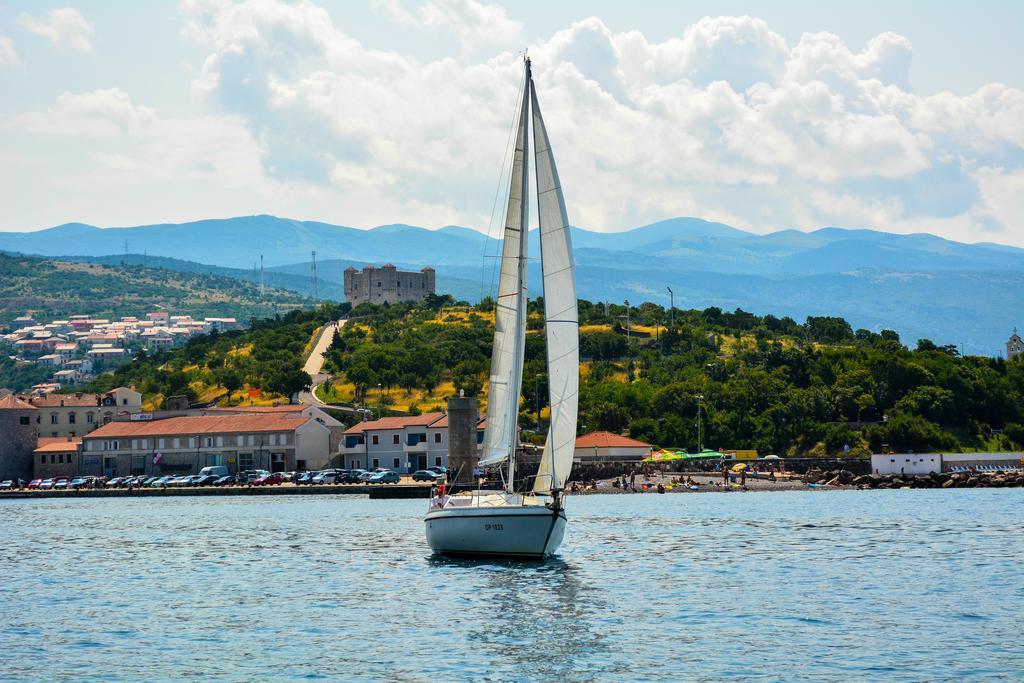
(75, 350)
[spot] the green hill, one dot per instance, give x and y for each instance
(768, 383)
(52, 289)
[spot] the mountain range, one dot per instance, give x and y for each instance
(920, 285)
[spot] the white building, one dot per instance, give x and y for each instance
(404, 444)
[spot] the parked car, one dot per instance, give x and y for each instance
(365, 476)
(61, 483)
(388, 477)
(78, 482)
(219, 470)
(439, 469)
(269, 480)
(6, 484)
(306, 478)
(329, 477)
(148, 481)
(352, 476)
(47, 484)
(426, 475)
(289, 476)
(251, 476)
(225, 481)
(204, 479)
(34, 484)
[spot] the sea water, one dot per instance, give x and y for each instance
(829, 585)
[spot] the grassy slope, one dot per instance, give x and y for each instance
(51, 289)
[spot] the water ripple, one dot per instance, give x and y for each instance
(870, 585)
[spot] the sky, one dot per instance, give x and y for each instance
(899, 116)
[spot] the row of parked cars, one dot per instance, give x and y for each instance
(380, 475)
(218, 476)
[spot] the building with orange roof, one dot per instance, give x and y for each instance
(56, 457)
(608, 447)
(404, 443)
(185, 444)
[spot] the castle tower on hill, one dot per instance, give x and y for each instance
(388, 285)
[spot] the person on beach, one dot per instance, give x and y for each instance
(725, 473)
(632, 480)
(743, 477)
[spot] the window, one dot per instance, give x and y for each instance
(90, 418)
(376, 463)
(220, 441)
(24, 420)
(394, 440)
(208, 442)
(273, 439)
(397, 463)
(376, 440)
(437, 438)
(53, 418)
(437, 461)
(124, 401)
(378, 283)
(245, 461)
(71, 418)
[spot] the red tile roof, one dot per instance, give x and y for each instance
(12, 402)
(73, 400)
(57, 444)
(200, 424)
(608, 440)
(390, 423)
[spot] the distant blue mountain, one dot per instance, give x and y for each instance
(920, 285)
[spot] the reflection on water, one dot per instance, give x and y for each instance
(824, 585)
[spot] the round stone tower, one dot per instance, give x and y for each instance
(18, 437)
(463, 415)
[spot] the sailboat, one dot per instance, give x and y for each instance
(530, 523)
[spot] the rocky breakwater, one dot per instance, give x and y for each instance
(946, 480)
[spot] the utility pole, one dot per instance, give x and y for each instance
(671, 307)
(700, 435)
(316, 294)
(262, 291)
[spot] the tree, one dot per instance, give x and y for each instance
(289, 381)
(231, 381)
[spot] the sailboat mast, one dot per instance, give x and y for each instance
(501, 437)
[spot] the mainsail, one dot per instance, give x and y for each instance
(501, 437)
(561, 321)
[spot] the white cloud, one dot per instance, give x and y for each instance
(724, 121)
(8, 55)
(99, 112)
(62, 27)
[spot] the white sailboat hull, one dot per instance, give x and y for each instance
(509, 531)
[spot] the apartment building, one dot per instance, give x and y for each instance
(403, 444)
(240, 441)
(70, 415)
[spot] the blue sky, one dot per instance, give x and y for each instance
(901, 116)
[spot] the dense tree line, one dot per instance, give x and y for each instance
(761, 382)
(766, 383)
